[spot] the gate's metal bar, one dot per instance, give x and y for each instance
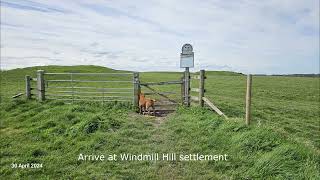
(64, 80)
(162, 95)
(96, 92)
(75, 87)
(113, 100)
(89, 73)
(161, 83)
(72, 96)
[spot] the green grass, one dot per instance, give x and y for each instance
(282, 143)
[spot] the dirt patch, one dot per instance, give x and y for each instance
(159, 120)
(10, 131)
(160, 116)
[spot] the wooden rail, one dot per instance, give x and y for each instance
(212, 106)
(17, 95)
(194, 98)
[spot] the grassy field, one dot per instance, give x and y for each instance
(282, 143)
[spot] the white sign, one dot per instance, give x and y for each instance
(187, 56)
(186, 61)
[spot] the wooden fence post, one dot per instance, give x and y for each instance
(28, 87)
(182, 90)
(201, 87)
(136, 89)
(248, 99)
(40, 85)
(187, 87)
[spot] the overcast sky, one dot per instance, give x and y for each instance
(249, 36)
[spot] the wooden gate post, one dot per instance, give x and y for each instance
(182, 90)
(136, 89)
(248, 99)
(40, 85)
(201, 88)
(187, 87)
(28, 87)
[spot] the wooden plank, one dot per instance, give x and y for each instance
(194, 98)
(17, 95)
(162, 95)
(195, 89)
(216, 109)
(248, 99)
(161, 83)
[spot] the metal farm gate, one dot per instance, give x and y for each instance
(168, 95)
(71, 87)
(119, 87)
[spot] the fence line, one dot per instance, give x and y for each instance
(71, 92)
(47, 89)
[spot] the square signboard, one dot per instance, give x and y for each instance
(187, 61)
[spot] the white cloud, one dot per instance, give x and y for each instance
(247, 36)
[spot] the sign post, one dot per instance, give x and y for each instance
(187, 61)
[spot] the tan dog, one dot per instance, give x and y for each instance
(145, 104)
(150, 104)
(142, 103)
